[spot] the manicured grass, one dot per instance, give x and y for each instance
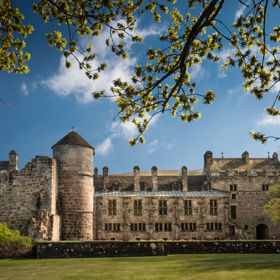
(169, 267)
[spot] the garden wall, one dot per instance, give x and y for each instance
(223, 247)
(98, 249)
(125, 249)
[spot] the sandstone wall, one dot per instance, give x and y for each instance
(248, 197)
(75, 184)
(28, 199)
(175, 216)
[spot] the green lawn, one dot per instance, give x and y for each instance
(168, 267)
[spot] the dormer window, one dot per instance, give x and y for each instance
(142, 187)
(116, 187)
(176, 187)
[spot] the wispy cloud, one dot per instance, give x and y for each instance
(221, 73)
(152, 146)
(234, 90)
(105, 147)
(198, 73)
(126, 130)
(24, 89)
(169, 145)
(224, 54)
(241, 10)
(268, 121)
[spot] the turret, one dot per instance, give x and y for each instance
(136, 171)
(184, 178)
(105, 178)
(75, 186)
(245, 157)
(13, 160)
(154, 178)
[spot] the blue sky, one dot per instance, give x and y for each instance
(51, 99)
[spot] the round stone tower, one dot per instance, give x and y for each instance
(75, 186)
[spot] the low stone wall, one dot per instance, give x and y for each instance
(223, 247)
(98, 249)
(125, 249)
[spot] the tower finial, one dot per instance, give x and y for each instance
(73, 128)
(222, 155)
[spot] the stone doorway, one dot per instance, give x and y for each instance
(262, 231)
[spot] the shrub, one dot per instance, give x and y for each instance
(12, 244)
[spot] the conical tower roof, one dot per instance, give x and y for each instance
(73, 138)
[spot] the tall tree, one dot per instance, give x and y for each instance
(272, 208)
(164, 84)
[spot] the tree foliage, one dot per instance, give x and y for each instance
(12, 57)
(12, 244)
(272, 208)
(164, 84)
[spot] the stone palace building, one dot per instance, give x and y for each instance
(64, 198)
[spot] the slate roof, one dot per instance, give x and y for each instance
(4, 165)
(160, 193)
(196, 183)
(165, 183)
(73, 138)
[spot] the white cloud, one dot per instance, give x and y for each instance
(129, 130)
(105, 147)
(241, 9)
(275, 88)
(126, 130)
(169, 145)
(24, 89)
(269, 120)
(74, 81)
(224, 54)
(233, 91)
(152, 146)
(221, 73)
(199, 73)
